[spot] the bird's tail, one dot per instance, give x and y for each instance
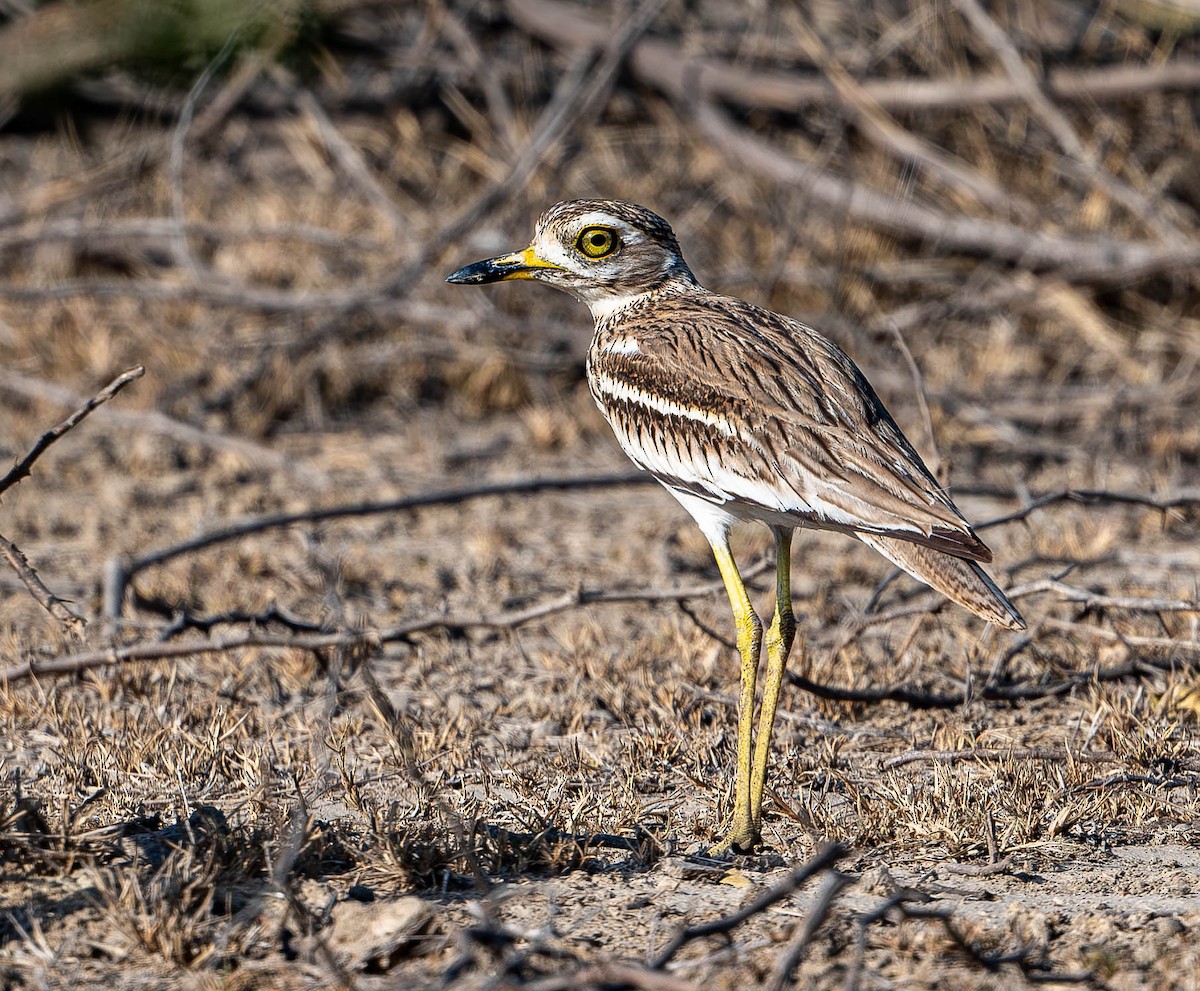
(963, 581)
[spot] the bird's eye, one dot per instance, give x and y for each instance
(596, 242)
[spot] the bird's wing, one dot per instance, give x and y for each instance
(737, 403)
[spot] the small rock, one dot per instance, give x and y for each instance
(1167, 925)
(375, 936)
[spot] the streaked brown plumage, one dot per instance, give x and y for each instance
(745, 414)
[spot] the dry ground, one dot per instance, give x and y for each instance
(503, 804)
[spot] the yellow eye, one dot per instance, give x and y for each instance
(596, 242)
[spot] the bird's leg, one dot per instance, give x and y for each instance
(779, 642)
(742, 833)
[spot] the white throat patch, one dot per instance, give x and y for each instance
(606, 306)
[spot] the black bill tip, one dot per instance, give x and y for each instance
(481, 273)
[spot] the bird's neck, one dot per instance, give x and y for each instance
(607, 305)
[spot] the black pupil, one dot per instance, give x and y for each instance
(599, 240)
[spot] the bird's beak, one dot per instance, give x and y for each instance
(518, 265)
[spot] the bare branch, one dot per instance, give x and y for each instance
(85, 230)
(1096, 600)
(611, 974)
(1128, 639)
(120, 572)
(902, 143)
(685, 78)
(1187, 499)
(180, 248)
(781, 975)
(350, 160)
(904, 903)
(402, 633)
(56, 607)
(825, 858)
(153, 421)
(1055, 121)
(22, 468)
(579, 94)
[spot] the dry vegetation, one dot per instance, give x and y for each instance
(468, 741)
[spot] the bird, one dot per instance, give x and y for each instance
(744, 414)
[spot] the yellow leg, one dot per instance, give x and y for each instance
(742, 833)
(779, 643)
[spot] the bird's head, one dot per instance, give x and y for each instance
(600, 251)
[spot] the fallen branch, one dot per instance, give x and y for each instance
(577, 98)
(57, 607)
(1072, 258)
(1081, 159)
(684, 77)
(610, 974)
(902, 143)
(1091, 497)
(1097, 600)
(119, 572)
(81, 230)
(825, 858)
(402, 633)
(1018, 692)
(1127, 639)
(781, 975)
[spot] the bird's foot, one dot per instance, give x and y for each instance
(742, 838)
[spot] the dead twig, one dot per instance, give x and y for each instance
(153, 421)
(350, 160)
(934, 458)
(882, 128)
(87, 231)
(56, 607)
(22, 468)
(1188, 499)
(781, 974)
(1002, 866)
(902, 903)
(180, 248)
(579, 94)
(1096, 600)
(1128, 639)
(684, 77)
(825, 859)
(119, 572)
(1082, 159)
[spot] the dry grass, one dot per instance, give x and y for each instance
(203, 822)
